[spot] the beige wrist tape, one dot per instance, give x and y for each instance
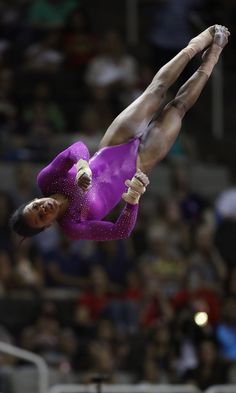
(82, 167)
(131, 197)
(135, 190)
(137, 185)
(197, 44)
(207, 66)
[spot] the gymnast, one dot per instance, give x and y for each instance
(80, 191)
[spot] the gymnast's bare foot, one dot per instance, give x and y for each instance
(220, 40)
(221, 36)
(211, 30)
(200, 42)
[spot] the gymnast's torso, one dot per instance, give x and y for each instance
(110, 166)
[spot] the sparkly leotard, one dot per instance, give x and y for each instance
(110, 166)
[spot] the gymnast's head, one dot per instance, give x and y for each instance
(33, 217)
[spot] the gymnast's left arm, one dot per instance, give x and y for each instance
(104, 230)
(62, 163)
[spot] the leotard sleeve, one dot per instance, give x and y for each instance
(104, 230)
(62, 163)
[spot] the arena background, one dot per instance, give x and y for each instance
(155, 312)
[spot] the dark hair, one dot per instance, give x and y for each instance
(19, 225)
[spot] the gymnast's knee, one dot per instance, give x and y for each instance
(180, 105)
(158, 88)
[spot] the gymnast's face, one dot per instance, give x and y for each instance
(41, 212)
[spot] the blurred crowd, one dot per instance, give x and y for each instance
(159, 307)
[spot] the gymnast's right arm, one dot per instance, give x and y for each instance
(62, 163)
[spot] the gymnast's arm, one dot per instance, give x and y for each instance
(104, 230)
(62, 163)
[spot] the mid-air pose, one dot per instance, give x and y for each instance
(80, 191)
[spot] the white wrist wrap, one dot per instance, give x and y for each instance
(207, 66)
(82, 167)
(135, 190)
(137, 185)
(197, 44)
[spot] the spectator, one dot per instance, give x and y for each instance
(44, 337)
(158, 352)
(64, 267)
(151, 374)
(192, 204)
(6, 209)
(98, 113)
(22, 187)
(46, 244)
(225, 237)
(42, 109)
(170, 19)
(116, 257)
(39, 143)
(8, 112)
(177, 230)
(28, 271)
(197, 296)
(226, 331)
(114, 70)
(167, 263)
(97, 297)
(211, 370)
(225, 204)
(6, 272)
(154, 306)
(69, 349)
(49, 14)
(206, 260)
(79, 41)
(44, 55)
(230, 284)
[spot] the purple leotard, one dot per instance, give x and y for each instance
(110, 166)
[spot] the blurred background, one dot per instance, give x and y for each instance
(159, 307)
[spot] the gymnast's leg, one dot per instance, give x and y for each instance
(163, 132)
(133, 121)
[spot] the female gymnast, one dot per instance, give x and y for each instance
(80, 191)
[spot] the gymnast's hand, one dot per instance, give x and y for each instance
(84, 175)
(84, 181)
(136, 187)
